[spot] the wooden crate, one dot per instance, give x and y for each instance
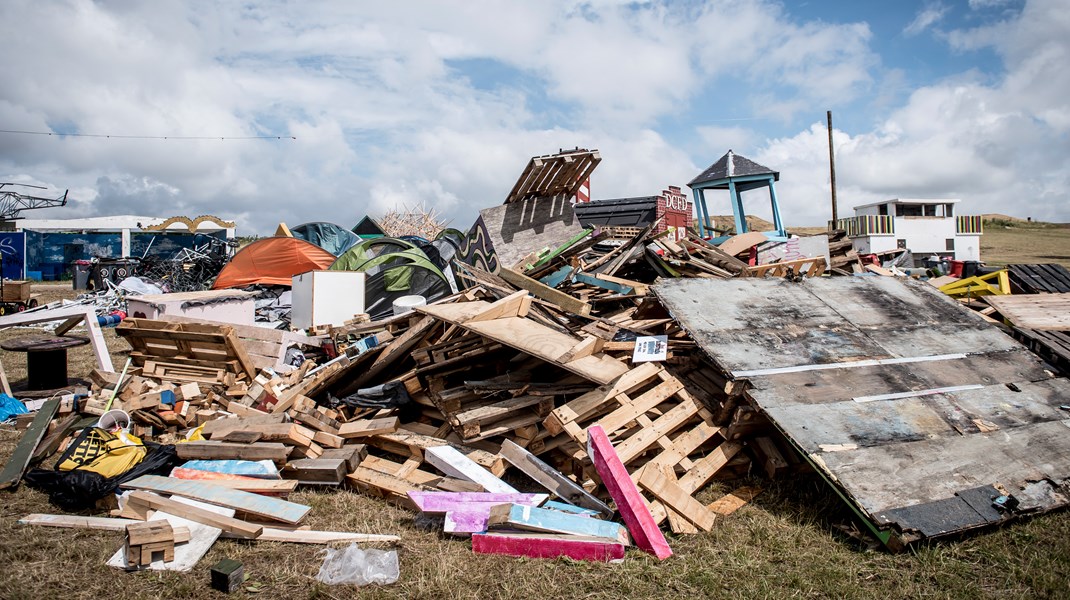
(16, 291)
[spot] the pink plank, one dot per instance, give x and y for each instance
(463, 522)
(443, 502)
(539, 545)
(644, 530)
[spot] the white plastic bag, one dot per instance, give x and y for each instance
(353, 566)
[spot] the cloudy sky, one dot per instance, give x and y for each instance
(441, 104)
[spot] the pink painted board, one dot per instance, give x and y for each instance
(443, 502)
(547, 546)
(645, 532)
(465, 522)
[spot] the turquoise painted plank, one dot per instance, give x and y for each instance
(608, 285)
(570, 509)
(551, 521)
(254, 504)
(554, 279)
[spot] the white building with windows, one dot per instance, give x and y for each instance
(926, 227)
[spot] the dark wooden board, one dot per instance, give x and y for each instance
(964, 406)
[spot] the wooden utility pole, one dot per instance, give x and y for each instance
(832, 169)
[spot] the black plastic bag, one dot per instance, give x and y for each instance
(76, 490)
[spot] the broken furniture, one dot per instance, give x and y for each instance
(46, 358)
(70, 316)
(228, 306)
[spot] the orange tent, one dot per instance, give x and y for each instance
(272, 261)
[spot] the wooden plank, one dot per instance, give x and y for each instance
(737, 499)
(262, 506)
(173, 506)
(368, 427)
(677, 498)
(24, 450)
(588, 404)
(630, 502)
(529, 337)
(403, 441)
(269, 534)
(672, 420)
(706, 467)
(383, 485)
(316, 470)
(4, 385)
(255, 485)
(531, 518)
(272, 451)
(541, 545)
(451, 462)
(1036, 311)
(77, 522)
(202, 536)
(444, 502)
(551, 478)
(310, 536)
(545, 292)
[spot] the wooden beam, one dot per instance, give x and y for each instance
(193, 513)
(269, 534)
(543, 545)
(451, 462)
(272, 451)
(20, 458)
(529, 518)
(545, 292)
(552, 479)
(630, 502)
(368, 427)
(673, 496)
(444, 502)
(516, 304)
(262, 506)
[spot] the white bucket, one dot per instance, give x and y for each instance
(405, 304)
(114, 420)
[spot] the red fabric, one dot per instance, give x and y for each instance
(272, 261)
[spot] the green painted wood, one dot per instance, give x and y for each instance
(254, 504)
(20, 459)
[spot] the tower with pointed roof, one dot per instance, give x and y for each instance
(736, 174)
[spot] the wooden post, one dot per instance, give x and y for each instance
(832, 170)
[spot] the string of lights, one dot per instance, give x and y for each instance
(148, 137)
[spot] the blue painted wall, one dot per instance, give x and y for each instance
(14, 259)
(53, 253)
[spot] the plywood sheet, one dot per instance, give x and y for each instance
(913, 405)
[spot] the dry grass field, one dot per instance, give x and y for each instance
(788, 542)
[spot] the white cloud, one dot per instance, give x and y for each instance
(1000, 147)
(926, 18)
(384, 113)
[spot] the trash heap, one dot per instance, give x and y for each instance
(562, 375)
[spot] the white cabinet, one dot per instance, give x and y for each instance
(326, 298)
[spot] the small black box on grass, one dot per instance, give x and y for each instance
(227, 575)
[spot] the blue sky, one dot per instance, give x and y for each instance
(442, 103)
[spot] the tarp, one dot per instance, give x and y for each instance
(272, 261)
(370, 248)
(330, 237)
(395, 268)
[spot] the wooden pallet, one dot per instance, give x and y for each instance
(809, 267)
(1038, 279)
(666, 439)
(186, 343)
(1052, 346)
